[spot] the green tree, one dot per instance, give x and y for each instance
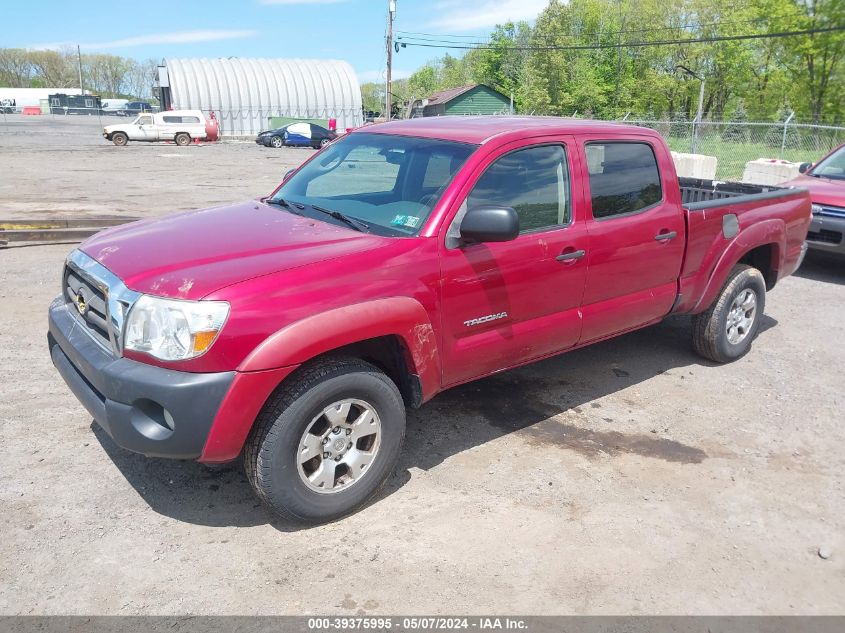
(735, 131)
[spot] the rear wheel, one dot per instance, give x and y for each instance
(182, 139)
(324, 444)
(276, 142)
(119, 138)
(324, 142)
(725, 330)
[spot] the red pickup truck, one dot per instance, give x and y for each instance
(399, 261)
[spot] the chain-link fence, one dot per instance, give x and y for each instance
(735, 143)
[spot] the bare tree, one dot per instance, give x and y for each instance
(53, 69)
(107, 74)
(15, 68)
(140, 77)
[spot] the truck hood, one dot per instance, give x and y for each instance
(822, 190)
(190, 255)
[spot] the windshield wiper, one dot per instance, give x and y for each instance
(355, 223)
(284, 203)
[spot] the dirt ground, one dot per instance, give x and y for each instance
(627, 478)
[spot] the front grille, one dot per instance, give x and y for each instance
(832, 212)
(825, 236)
(88, 300)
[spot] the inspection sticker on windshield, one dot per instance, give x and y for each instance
(409, 221)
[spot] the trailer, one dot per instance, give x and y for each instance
(62, 103)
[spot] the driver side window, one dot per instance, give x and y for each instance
(145, 120)
(533, 181)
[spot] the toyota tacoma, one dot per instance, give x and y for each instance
(401, 260)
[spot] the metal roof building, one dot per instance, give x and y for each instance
(246, 93)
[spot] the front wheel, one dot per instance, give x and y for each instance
(324, 444)
(119, 138)
(725, 330)
(276, 141)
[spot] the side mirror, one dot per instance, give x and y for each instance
(803, 168)
(490, 224)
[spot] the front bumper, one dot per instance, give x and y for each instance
(263, 140)
(146, 409)
(827, 233)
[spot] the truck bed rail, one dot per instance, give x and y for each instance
(698, 193)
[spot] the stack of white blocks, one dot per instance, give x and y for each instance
(769, 171)
(695, 165)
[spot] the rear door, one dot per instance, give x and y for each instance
(509, 302)
(637, 237)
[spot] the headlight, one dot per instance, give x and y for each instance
(815, 208)
(174, 330)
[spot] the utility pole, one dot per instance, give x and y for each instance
(696, 124)
(698, 115)
(388, 97)
(79, 64)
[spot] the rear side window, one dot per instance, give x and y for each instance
(623, 178)
(180, 119)
(533, 181)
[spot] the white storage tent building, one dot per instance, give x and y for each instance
(246, 93)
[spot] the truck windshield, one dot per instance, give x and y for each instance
(391, 183)
(832, 167)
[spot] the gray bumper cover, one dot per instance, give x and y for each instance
(146, 409)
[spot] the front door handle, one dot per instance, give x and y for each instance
(669, 235)
(566, 257)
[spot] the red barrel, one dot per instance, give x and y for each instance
(333, 125)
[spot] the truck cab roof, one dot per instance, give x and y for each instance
(481, 129)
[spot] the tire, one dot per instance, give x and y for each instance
(276, 141)
(119, 138)
(724, 331)
(182, 139)
(324, 142)
(322, 489)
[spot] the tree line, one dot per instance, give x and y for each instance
(587, 56)
(105, 75)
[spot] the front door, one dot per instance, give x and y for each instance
(637, 238)
(510, 302)
(143, 129)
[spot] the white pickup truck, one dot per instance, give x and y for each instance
(180, 126)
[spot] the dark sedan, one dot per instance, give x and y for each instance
(134, 108)
(299, 134)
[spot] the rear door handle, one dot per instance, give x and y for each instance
(669, 235)
(566, 257)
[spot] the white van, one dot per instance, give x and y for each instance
(181, 126)
(113, 106)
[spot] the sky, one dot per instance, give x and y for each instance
(352, 30)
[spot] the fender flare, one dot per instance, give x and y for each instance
(772, 231)
(307, 338)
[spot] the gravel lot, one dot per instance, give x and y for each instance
(630, 477)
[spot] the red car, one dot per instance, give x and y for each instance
(402, 260)
(826, 183)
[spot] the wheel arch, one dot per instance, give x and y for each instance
(394, 334)
(762, 245)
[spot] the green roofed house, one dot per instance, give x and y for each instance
(472, 99)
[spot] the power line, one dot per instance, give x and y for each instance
(700, 40)
(445, 38)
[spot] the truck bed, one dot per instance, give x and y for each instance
(723, 218)
(698, 193)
